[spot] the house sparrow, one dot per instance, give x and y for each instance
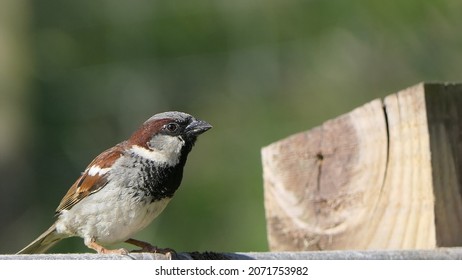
(125, 187)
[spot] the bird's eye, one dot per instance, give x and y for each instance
(172, 127)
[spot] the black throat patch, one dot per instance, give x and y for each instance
(156, 182)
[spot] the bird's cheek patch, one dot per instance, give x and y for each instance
(159, 156)
(166, 143)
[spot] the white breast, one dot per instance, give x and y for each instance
(109, 216)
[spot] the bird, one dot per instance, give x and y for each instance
(125, 187)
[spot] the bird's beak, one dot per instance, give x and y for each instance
(197, 127)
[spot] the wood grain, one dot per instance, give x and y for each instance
(384, 176)
(436, 254)
(444, 111)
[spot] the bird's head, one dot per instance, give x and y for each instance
(167, 137)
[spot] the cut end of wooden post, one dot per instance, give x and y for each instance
(367, 179)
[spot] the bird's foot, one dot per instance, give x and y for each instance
(148, 248)
(101, 250)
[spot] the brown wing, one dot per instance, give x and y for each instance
(89, 182)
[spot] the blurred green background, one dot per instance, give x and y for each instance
(77, 77)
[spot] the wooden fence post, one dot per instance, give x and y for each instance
(385, 176)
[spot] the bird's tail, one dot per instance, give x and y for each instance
(44, 242)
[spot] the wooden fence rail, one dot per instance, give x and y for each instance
(437, 254)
